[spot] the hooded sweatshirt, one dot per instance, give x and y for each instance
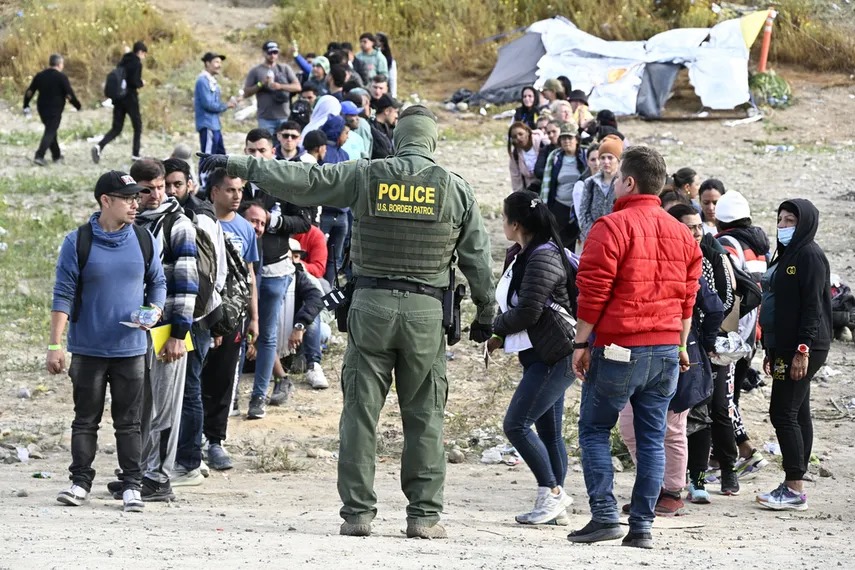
(114, 285)
(133, 72)
(335, 154)
(799, 288)
(179, 264)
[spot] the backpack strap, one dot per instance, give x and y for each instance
(147, 247)
(84, 246)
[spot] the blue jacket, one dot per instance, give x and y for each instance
(207, 103)
(114, 285)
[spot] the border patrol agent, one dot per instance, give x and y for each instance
(411, 217)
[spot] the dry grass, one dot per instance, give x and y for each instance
(446, 36)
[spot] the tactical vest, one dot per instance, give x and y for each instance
(408, 229)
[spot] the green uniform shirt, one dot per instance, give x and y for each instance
(410, 215)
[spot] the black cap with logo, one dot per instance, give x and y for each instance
(117, 183)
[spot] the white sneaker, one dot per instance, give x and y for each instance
(525, 517)
(550, 506)
(132, 500)
(74, 496)
(316, 378)
(184, 478)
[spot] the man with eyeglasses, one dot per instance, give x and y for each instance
(118, 280)
(272, 83)
(277, 269)
(161, 417)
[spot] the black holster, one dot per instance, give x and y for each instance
(338, 300)
(451, 310)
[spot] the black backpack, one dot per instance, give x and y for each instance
(116, 87)
(236, 294)
(84, 246)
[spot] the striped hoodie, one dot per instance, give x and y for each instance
(182, 279)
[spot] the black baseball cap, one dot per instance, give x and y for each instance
(270, 46)
(314, 140)
(115, 182)
(384, 102)
(210, 56)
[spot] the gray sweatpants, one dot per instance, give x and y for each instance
(161, 417)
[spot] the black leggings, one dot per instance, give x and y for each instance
(725, 450)
(789, 410)
(699, 454)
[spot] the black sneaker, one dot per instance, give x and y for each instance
(729, 483)
(638, 540)
(153, 492)
(116, 488)
(256, 408)
(596, 532)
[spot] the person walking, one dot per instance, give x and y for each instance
(536, 321)
(129, 105)
(796, 318)
(208, 105)
(108, 254)
(54, 90)
(395, 319)
(637, 279)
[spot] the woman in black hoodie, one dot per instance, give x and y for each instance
(796, 320)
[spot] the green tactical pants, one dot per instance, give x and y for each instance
(401, 332)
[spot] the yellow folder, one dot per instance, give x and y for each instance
(159, 336)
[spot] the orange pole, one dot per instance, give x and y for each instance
(767, 40)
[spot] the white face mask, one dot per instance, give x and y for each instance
(785, 235)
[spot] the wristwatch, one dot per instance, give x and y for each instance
(803, 349)
(299, 327)
(578, 345)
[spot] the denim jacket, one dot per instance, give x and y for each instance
(207, 103)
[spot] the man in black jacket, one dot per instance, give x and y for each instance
(383, 125)
(129, 105)
(54, 90)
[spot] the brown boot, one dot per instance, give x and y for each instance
(421, 530)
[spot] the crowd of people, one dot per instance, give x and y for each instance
(683, 430)
(655, 291)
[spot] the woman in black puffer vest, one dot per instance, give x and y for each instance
(536, 321)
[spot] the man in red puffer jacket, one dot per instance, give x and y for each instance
(637, 280)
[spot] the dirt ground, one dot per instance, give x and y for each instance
(245, 516)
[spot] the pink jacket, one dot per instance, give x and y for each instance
(521, 176)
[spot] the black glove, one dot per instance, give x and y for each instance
(210, 162)
(479, 332)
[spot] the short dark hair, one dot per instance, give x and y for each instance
(354, 98)
(171, 165)
(646, 166)
(247, 204)
(350, 85)
(368, 36)
(674, 196)
(309, 87)
(147, 169)
(680, 210)
(338, 73)
(380, 78)
(712, 184)
(337, 57)
(257, 134)
(139, 46)
(287, 126)
(54, 60)
(216, 178)
(346, 46)
(333, 46)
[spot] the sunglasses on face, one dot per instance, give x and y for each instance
(273, 52)
(291, 136)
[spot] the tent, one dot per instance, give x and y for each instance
(629, 77)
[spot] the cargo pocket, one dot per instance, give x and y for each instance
(440, 384)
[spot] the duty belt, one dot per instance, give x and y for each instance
(391, 284)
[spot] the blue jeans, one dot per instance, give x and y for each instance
(539, 400)
(189, 453)
(648, 380)
(312, 342)
(336, 226)
(271, 293)
(270, 124)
